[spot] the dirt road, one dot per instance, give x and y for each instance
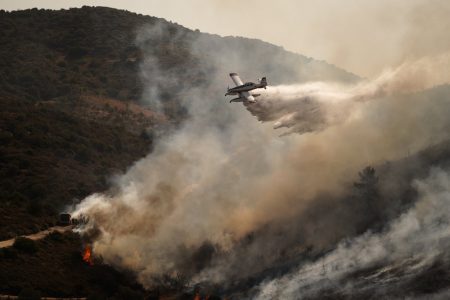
(37, 236)
(7, 297)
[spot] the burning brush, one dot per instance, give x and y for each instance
(87, 255)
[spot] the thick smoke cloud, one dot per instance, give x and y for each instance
(411, 244)
(311, 107)
(222, 175)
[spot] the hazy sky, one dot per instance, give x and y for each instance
(362, 36)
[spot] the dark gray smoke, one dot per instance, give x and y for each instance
(217, 197)
(379, 263)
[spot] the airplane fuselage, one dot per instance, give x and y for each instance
(246, 87)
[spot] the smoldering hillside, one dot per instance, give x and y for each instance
(224, 201)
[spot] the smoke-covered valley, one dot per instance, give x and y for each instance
(275, 199)
(410, 254)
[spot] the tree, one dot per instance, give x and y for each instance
(367, 186)
(366, 200)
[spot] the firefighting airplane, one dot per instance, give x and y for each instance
(243, 89)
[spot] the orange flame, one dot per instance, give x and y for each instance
(87, 255)
(198, 297)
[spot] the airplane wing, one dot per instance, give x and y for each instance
(248, 96)
(235, 77)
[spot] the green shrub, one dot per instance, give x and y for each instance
(34, 207)
(17, 198)
(61, 64)
(29, 293)
(8, 253)
(128, 293)
(97, 296)
(77, 52)
(25, 245)
(55, 236)
(35, 191)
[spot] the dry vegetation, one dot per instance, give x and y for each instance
(54, 267)
(70, 118)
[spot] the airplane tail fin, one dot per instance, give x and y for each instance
(263, 81)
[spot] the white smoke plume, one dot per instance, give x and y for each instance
(313, 106)
(411, 244)
(222, 175)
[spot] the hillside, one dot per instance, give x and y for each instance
(73, 111)
(50, 54)
(54, 266)
(80, 91)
